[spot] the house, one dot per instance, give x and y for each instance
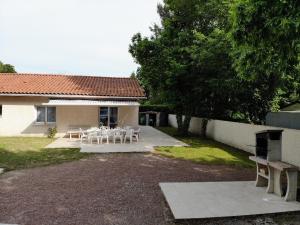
(287, 117)
(32, 103)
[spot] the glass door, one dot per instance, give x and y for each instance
(113, 117)
(103, 117)
(108, 116)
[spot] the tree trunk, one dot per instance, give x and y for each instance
(183, 124)
(179, 122)
(203, 127)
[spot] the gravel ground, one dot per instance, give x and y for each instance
(109, 189)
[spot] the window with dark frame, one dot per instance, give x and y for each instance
(46, 114)
(108, 116)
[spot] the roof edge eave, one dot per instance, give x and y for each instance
(74, 96)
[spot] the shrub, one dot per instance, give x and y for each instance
(52, 132)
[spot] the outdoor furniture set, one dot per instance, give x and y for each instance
(106, 134)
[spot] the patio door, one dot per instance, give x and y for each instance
(108, 116)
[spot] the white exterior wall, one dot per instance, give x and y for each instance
(128, 116)
(19, 116)
(75, 116)
(238, 135)
(242, 136)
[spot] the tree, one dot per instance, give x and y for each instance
(6, 68)
(266, 40)
(183, 62)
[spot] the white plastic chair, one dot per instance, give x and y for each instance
(136, 133)
(128, 135)
(117, 135)
(103, 134)
(92, 136)
(83, 136)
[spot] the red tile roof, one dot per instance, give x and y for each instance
(49, 84)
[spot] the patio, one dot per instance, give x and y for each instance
(198, 200)
(149, 138)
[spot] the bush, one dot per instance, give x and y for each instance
(52, 132)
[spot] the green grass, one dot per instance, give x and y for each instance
(27, 152)
(204, 151)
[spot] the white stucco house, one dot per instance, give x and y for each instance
(31, 103)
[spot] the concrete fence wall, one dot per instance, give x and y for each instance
(195, 125)
(242, 136)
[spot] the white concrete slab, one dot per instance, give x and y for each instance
(149, 138)
(65, 143)
(222, 199)
(7, 224)
(115, 148)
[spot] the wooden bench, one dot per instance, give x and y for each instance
(272, 177)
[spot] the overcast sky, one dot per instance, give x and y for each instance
(73, 36)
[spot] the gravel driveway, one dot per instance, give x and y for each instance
(107, 189)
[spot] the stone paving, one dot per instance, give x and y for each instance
(149, 138)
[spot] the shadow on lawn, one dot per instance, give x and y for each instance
(11, 160)
(206, 151)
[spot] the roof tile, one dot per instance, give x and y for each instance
(50, 84)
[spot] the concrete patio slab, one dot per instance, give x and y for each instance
(149, 138)
(7, 224)
(222, 199)
(115, 148)
(65, 143)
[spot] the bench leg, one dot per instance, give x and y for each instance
(277, 182)
(270, 188)
(291, 192)
(260, 181)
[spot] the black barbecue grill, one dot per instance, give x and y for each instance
(268, 144)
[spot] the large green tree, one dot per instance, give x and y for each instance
(6, 68)
(266, 41)
(186, 60)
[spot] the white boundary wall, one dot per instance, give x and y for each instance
(195, 125)
(242, 136)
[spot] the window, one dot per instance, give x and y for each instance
(108, 116)
(46, 114)
(0, 110)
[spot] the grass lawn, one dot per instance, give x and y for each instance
(26, 152)
(204, 151)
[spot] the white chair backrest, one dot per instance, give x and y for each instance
(117, 132)
(104, 132)
(93, 133)
(129, 132)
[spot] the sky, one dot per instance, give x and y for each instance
(89, 37)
